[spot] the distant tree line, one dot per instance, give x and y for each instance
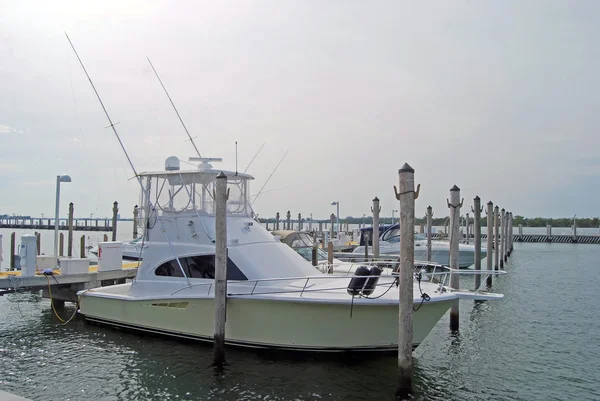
(584, 222)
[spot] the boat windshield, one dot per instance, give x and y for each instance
(306, 253)
(393, 236)
(302, 240)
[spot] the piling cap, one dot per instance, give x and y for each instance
(376, 199)
(406, 169)
(477, 198)
(221, 175)
(503, 210)
(490, 203)
(429, 207)
(454, 188)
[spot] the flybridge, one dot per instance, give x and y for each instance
(174, 191)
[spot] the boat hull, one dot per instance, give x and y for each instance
(301, 326)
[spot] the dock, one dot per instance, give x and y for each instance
(79, 224)
(64, 287)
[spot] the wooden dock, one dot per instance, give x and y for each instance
(560, 239)
(64, 287)
(48, 224)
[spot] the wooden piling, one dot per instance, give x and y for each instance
(277, 221)
(376, 209)
(38, 242)
(454, 204)
(366, 246)
(406, 197)
(429, 218)
(510, 233)
(574, 239)
(82, 246)
(135, 221)
(502, 237)
(220, 269)
(70, 233)
(490, 240)
(114, 220)
(299, 221)
(496, 237)
(320, 226)
(467, 227)
(105, 238)
(330, 256)
(315, 251)
(477, 239)
(12, 250)
(61, 244)
(331, 229)
(289, 220)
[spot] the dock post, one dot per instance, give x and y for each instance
(510, 233)
(574, 239)
(376, 209)
(429, 218)
(135, 221)
(105, 238)
(454, 204)
(332, 218)
(114, 220)
(496, 236)
(12, 251)
(330, 257)
(289, 220)
(277, 221)
(220, 268)
(549, 232)
(505, 237)
(502, 235)
(61, 244)
(521, 232)
(406, 196)
(315, 251)
(366, 246)
(82, 246)
(320, 226)
(70, 234)
(38, 242)
(467, 227)
(299, 221)
(421, 228)
(477, 234)
(490, 240)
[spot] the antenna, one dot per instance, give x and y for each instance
(266, 182)
(112, 125)
(236, 158)
(175, 108)
(256, 154)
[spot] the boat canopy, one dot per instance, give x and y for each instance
(192, 192)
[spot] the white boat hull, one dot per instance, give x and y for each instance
(253, 322)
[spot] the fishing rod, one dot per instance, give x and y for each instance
(266, 182)
(256, 154)
(174, 108)
(112, 125)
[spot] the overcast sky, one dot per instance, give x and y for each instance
(501, 98)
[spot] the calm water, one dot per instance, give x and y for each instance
(542, 342)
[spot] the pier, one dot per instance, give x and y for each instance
(81, 224)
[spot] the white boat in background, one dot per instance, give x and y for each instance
(389, 245)
(276, 299)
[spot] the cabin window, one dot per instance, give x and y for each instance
(202, 266)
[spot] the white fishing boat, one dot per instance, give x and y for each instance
(440, 250)
(276, 299)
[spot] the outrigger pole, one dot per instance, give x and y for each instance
(174, 108)
(112, 125)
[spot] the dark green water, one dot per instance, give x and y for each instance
(542, 342)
